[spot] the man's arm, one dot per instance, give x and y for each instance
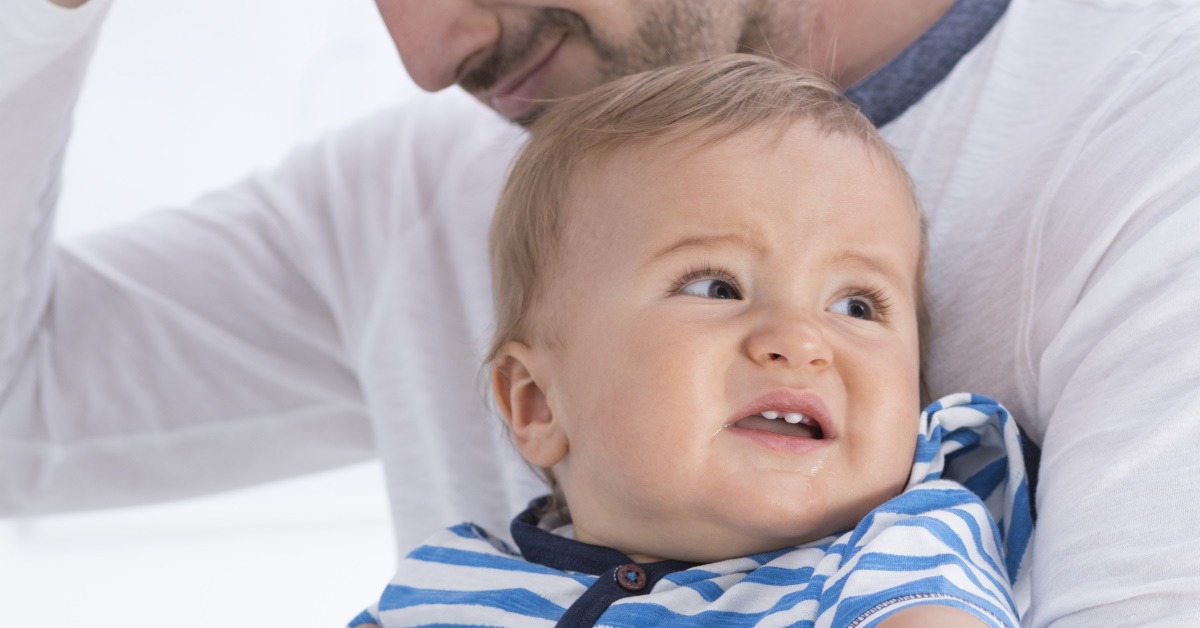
(1116, 337)
(191, 351)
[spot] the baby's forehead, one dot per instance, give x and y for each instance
(726, 142)
(647, 169)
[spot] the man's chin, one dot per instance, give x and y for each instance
(530, 116)
(525, 118)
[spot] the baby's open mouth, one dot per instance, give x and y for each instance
(784, 423)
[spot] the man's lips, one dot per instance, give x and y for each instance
(515, 95)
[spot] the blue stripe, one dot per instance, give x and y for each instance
(362, 618)
(640, 615)
(884, 561)
(465, 558)
(708, 590)
(637, 614)
(689, 576)
(911, 502)
(766, 557)
(986, 405)
(941, 531)
(988, 478)
(966, 437)
(470, 531)
(977, 534)
(924, 499)
(698, 580)
(1020, 529)
(927, 449)
(899, 563)
(520, 601)
(914, 502)
(955, 544)
(779, 575)
(839, 549)
(932, 476)
(766, 575)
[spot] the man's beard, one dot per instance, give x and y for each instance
(676, 32)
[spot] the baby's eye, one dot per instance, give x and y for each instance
(711, 288)
(854, 307)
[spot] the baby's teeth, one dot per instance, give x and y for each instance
(793, 417)
(770, 414)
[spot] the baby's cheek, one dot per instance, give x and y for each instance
(889, 451)
(888, 476)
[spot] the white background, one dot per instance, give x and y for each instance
(184, 96)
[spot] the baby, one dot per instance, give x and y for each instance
(708, 292)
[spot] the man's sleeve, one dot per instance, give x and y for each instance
(1118, 335)
(195, 349)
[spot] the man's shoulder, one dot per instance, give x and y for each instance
(440, 156)
(434, 124)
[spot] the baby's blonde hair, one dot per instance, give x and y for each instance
(704, 101)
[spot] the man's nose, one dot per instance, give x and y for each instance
(438, 39)
(790, 340)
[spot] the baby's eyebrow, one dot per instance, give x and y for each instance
(889, 271)
(702, 241)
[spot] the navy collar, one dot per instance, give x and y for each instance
(558, 552)
(888, 92)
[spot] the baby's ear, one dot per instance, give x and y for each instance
(522, 401)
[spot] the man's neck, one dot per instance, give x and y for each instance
(843, 39)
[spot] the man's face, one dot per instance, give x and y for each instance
(512, 54)
(702, 295)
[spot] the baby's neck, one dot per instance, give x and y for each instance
(583, 537)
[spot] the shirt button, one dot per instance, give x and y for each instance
(631, 577)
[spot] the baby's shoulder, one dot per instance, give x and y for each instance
(934, 543)
(936, 514)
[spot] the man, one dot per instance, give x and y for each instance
(265, 331)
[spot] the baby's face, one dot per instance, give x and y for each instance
(735, 364)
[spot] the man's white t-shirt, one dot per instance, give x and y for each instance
(338, 306)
